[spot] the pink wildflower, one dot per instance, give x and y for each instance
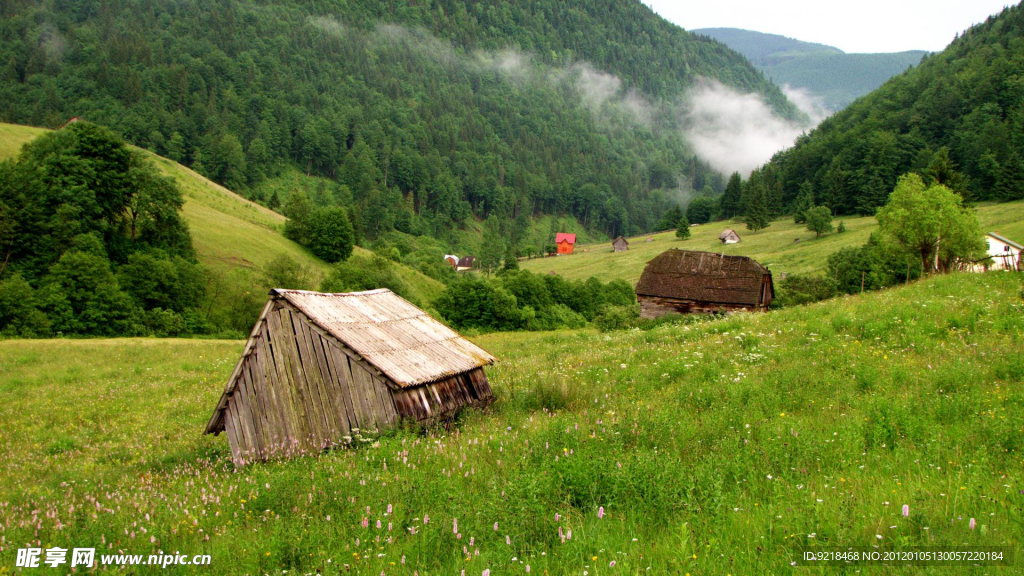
(906, 510)
(600, 512)
(972, 524)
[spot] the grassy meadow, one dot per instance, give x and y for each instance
(774, 246)
(707, 447)
(233, 237)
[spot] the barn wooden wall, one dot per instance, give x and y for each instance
(440, 400)
(655, 306)
(298, 390)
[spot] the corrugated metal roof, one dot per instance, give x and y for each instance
(703, 277)
(560, 236)
(399, 339)
(1006, 240)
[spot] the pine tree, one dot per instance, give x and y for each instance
(804, 202)
(1010, 183)
(942, 170)
(729, 206)
(757, 216)
(683, 228)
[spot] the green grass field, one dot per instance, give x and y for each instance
(713, 447)
(774, 246)
(234, 237)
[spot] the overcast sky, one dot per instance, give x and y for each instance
(851, 26)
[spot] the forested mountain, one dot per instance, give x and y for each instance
(957, 118)
(837, 78)
(422, 113)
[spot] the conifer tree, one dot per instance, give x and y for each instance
(804, 202)
(683, 228)
(757, 215)
(729, 205)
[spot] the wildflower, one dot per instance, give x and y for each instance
(426, 518)
(495, 526)
(600, 512)
(508, 540)
(455, 526)
(487, 572)
(972, 524)
(906, 510)
(611, 564)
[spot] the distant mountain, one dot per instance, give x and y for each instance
(960, 111)
(825, 72)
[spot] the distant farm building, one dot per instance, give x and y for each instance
(452, 260)
(1003, 253)
(319, 369)
(565, 242)
(620, 244)
(466, 263)
(687, 281)
(729, 236)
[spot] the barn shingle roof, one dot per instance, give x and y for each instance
(703, 277)
(399, 339)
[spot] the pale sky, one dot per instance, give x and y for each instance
(851, 26)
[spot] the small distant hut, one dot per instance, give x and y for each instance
(452, 260)
(565, 242)
(729, 236)
(319, 369)
(620, 244)
(465, 263)
(688, 281)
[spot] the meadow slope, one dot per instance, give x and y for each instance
(774, 246)
(712, 447)
(234, 237)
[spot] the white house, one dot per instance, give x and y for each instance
(1005, 254)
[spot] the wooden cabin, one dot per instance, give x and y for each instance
(688, 281)
(729, 236)
(465, 263)
(620, 244)
(320, 369)
(565, 242)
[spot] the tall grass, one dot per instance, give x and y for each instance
(712, 448)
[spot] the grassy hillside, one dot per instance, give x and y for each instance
(712, 448)
(234, 238)
(774, 246)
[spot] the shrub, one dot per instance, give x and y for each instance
(797, 289)
(616, 317)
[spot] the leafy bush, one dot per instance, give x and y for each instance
(797, 289)
(616, 317)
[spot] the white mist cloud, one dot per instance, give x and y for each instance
(813, 106)
(732, 132)
(735, 132)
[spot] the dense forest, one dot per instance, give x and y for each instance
(957, 118)
(422, 114)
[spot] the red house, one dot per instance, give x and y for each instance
(565, 242)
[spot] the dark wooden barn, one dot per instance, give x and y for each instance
(318, 369)
(687, 281)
